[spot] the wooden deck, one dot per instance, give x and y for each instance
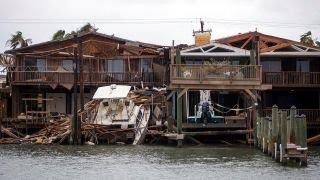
(89, 78)
(292, 79)
(216, 76)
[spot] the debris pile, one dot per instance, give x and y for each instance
(59, 130)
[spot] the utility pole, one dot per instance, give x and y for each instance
(74, 124)
(81, 73)
(1, 116)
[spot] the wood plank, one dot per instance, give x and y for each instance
(275, 47)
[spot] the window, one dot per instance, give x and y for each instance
(235, 62)
(67, 64)
(35, 65)
(271, 66)
(145, 65)
(116, 65)
(303, 66)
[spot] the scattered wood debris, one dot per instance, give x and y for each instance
(59, 130)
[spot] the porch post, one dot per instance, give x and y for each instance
(179, 113)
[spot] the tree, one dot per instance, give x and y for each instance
(18, 40)
(84, 29)
(307, 39)
(70, 34)
(59, 35)
(87, 28)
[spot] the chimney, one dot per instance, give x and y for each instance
(202, 37)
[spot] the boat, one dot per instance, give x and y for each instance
(204, 112)
(142, 125)
(116, 108)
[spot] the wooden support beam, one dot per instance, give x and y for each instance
(183, 92)
(247, 41)
(227, 132)
(275, 47)
(179, 113)
(251, 94)
(170, 95)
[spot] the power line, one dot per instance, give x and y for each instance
(160, 21)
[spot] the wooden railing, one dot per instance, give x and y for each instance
(54, 77)
(211, 73)
(292, 78)
(313, 115)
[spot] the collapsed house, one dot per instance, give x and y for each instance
(42, 75)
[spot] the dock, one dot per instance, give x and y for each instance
(283, 137)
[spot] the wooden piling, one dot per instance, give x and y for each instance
(293, 112)
(265, 134)
(275, 129)
(304, 131)
(283, 131)
(257, 132)
(269, 122)
(179, 113)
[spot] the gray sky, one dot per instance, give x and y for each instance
(284, 18)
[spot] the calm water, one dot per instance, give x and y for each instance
(146, 162)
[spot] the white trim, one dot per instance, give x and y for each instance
(234, 51)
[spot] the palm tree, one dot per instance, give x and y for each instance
(59, 35)
(68, 35)
(17, 39)
(306, 38)
(87, 28)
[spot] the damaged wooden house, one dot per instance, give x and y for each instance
(219, 87)
(42, 76)
(293, 70)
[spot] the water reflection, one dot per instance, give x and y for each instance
(145, 162)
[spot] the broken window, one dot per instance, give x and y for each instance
(114, 66)
(67, 64)
(145, 65)
(35, 65)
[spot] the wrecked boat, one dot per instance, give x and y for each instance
(118, 110)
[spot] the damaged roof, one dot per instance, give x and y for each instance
(83, 35)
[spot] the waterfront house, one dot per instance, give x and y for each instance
(42, 79)
(245, 73)
(293, 70)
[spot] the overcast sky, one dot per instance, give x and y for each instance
(39, 19)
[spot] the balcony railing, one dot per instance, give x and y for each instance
(215, 74)
(312, 115)
(54, 77)
(291, 78)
